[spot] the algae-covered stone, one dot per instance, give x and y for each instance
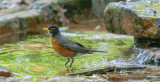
(103, 70)
(122, 18)
(107, 69)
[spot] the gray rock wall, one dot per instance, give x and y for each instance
(39, 12)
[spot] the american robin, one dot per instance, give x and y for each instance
(65, 47)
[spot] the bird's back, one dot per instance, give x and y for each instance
(69, 44)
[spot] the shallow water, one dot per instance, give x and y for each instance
(32, 56)
(35, 57)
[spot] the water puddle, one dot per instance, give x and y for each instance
(36, 57)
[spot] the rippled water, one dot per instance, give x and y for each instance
(146, 56)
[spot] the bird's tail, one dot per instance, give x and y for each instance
(98, 51)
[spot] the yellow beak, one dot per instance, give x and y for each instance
(46, 29)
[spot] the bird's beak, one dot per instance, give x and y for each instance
(46, 29)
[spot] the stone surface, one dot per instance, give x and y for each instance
(146, 42)
(28, 19)
(9, 24)
(12, 10)
(98, 6)
(107, 69)
(120, 18)
(12, 23)
(4, 72)
(18, 20)
(45, 9)
(15, 79)
(64, 79)
(149, 74)
(8, 4)
(60, 17)
(55, 79)
(94, 71)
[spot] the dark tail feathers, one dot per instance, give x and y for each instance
(98, 51)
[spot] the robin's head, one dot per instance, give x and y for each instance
(53, 30)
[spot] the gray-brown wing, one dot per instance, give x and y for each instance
(69, 44)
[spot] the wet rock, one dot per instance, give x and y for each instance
(9, 24)
(117, 79)
(4, 72)
(45, 8)
(154, 78)
(23, 2)
(129, 67)
(147, 56)
(28, 19)
(6, 4)
(64, 79)
(123, 18)
(104, 70)
(119, 19)
(146, 42)
(15, 79)
(94, 71)
(149, 74)
(19, 20)
(9, 4)
(12, 10)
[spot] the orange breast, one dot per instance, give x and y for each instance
(61, 50)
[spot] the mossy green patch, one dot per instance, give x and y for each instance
(146, 8)
(36, 57)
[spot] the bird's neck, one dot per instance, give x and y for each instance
(56, 36)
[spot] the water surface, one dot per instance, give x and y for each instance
(35, 56)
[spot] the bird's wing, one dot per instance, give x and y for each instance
(69, 44)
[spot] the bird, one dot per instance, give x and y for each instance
(66, 47)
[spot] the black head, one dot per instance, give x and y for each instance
(54, 31)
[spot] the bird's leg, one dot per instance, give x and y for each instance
(67, 61)
(72, 61)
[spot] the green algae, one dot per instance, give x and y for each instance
(147, 9)
(36, 57)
